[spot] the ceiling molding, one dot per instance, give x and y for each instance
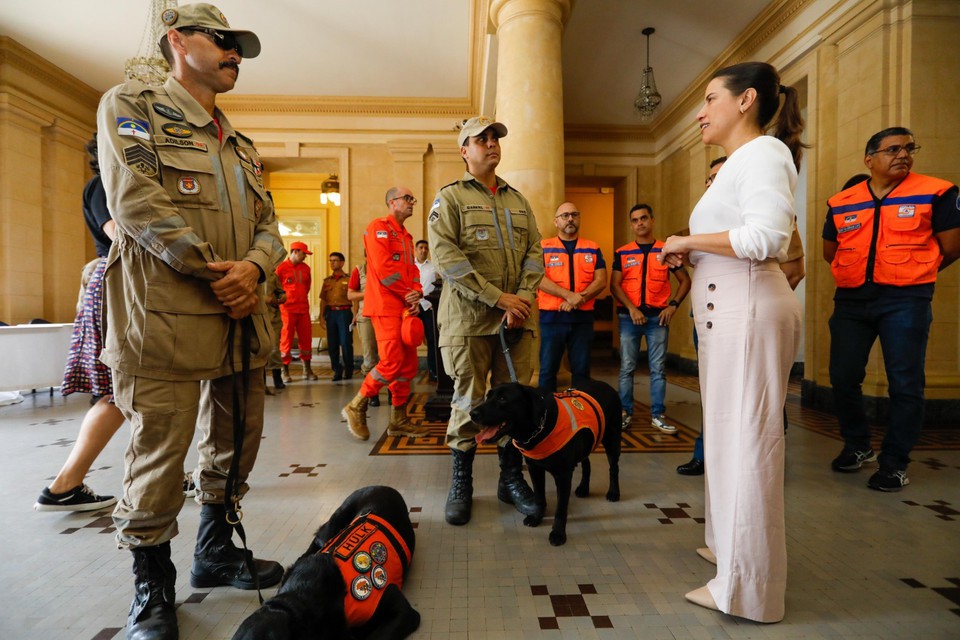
(346, 105)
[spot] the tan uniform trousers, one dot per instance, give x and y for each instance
(469, 360)
(163, 415)
(274, 360)
(368, 342)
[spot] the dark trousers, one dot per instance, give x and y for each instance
(340, 340)
(429, 328)
(903, 326)
(576, 338)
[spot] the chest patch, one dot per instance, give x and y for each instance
(483, 234)
(849, 219)
(631, 262)
(188, 185)
(381, 235)
(906, 211)
(176, 130)
(167, 111)
(168, 141)
(589, 258)
(847, 229)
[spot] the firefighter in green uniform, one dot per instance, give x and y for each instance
(196, 235)
(487, 248)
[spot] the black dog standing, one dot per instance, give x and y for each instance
(555, 432)
(347, 583)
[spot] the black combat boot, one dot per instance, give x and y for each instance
(460, 498)
(152, 614)
(512, 488)
(217, 561)
(278, 380)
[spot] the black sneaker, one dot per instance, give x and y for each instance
(81, 498)
(888, 480)
(850, 460)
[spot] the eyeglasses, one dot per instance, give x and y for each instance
(895, 150)
(569, 215)
(407, 199)
(226, 41)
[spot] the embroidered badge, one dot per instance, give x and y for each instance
(378, 551)
(852, 227)
(381, 235)
(133, 127)
(435, 215)
(188, 185)
(849, 219)
(242, 154)
(906, 211)
(556, 260)
(588, 258)
(167, 141)
(577, 404)
(141, 159)
(361, 587)
(379, 577)
(483, 234)
(223, 19)
(631, 262)
(257, 208)
(257, 167)
(177, 130)
(362, 562)
(167, 111)
(169, 16)
(396, 257)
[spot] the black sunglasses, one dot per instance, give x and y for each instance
(226, 41)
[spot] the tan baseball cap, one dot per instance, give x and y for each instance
(208, 16)
(476, 126)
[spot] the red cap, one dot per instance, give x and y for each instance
(411, 331)
(302, 246)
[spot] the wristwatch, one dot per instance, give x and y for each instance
(673, 303)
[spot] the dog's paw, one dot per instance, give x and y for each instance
(581, 491)
(558, 538)
(613, 496)
(533, 521)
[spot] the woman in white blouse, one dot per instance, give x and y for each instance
(748, 321)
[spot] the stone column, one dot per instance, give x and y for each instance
(530, 100)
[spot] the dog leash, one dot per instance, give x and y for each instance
(506, 351)
(241, 389)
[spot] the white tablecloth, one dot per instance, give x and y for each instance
(32, 356)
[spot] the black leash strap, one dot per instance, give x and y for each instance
(506, 351)
(241, 389)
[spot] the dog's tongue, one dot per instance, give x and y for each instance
(486, 434)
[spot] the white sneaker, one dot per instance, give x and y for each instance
(661, 423)
(625, 419)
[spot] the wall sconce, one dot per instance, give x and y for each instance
(330, 191)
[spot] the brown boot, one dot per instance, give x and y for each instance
(400, 424)
(308, 371)
(355, 413)
(285, 376)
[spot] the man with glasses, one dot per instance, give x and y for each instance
(574, 274)
(185, 329)
(486, 244)
(886, 239)
(393, 292)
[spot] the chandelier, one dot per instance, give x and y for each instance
(148, 66)
(330, 191)
(648, 99)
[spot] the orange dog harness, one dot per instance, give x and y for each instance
(575, 411)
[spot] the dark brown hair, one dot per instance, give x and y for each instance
(764, 78)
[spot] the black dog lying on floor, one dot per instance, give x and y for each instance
(555, 432)
(347, 584)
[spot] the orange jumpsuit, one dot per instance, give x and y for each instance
(295, 312)
(391, 275)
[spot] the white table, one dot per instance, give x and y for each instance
(33, 356)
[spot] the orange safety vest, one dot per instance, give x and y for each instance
(557, 269)
(575, 411)
(391, 270)
(890, 242)
(645, 280)
(371, 555)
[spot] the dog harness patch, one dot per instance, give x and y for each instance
(371, 555)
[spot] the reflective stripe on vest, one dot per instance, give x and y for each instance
(894, 236)
(371, 555)
(575, 411)
(645, 280)
(557, 268)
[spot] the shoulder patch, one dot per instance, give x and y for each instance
(141, 160)
(381, 234)
(133, 127)
(167, 111)
(434, 216)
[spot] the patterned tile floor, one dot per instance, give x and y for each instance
(863, 564)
